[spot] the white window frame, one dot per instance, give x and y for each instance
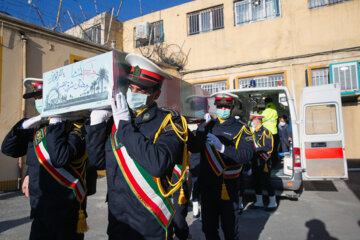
(320, 76)
(213, 87)
(250, 14)
(270, 80)
(322, 3)
(347, 75)
(198, 19)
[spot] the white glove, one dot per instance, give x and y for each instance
(31, 122)
(212, 139)
(120, 109)
(98, 116)
(207, 118)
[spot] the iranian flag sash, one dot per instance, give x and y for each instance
(68, 177)
(177, 171)
(265, 156)
(142, 184)
(218, 165)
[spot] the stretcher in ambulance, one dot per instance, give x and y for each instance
(317, 150)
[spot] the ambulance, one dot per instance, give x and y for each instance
(317, 149)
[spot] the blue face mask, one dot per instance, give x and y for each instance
(223, 114)
(199, 114)
(39, 105)
(136, 101)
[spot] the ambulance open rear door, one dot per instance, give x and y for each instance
(322, 134)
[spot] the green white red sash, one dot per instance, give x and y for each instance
(218, 165)
(68, 177)
(265, 156)
(142, 184)
(177, 171)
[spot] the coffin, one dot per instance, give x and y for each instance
(89, 84)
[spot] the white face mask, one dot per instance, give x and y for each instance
(39, 105)
(136, 101)
(282, 124)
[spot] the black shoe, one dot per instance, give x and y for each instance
(255, 207)
(270, 209)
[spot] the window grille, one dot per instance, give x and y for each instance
(322, 3)
(263, 81)
(93, 34)
(320, 76)
(206, 20)
(250, 10)
(213, 87)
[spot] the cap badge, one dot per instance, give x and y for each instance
(137, 71)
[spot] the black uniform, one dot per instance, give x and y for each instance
(195, 171)
(261, 168)
(179, 224)
(54, 207)
(213, 207)
(128, 218)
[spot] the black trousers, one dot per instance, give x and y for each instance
(215, 209)
(179, 225)
(262, 180)
(275, 154)
(195, 188)
(47, 229)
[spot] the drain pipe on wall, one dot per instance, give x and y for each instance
(23, 64)
(293, 88)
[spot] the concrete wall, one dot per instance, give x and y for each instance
(28, 51)
(299, 39)
(116, 30)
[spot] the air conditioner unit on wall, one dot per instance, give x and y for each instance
(142, 31)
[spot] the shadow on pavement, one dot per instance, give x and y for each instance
(317, 230)
(6, 225)
(322, 186)
(8, 195)
(252, 223)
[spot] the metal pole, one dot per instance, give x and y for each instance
(108, 35)
(119, 8)
(58, 15)
(140, 8)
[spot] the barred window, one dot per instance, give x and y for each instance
(322, 3)
(206, 20)
(93, 34)
(213, 87)
(273, 80)
(254, 10)
(320, 76)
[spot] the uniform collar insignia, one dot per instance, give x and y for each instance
(146, 116)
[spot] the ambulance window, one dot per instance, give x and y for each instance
(321, 119)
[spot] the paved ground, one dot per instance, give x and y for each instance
(326, 210)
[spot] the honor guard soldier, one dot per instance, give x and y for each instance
(261, 163)
(139, 147)
(56, 161)
(225, 144)
(198, 106)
